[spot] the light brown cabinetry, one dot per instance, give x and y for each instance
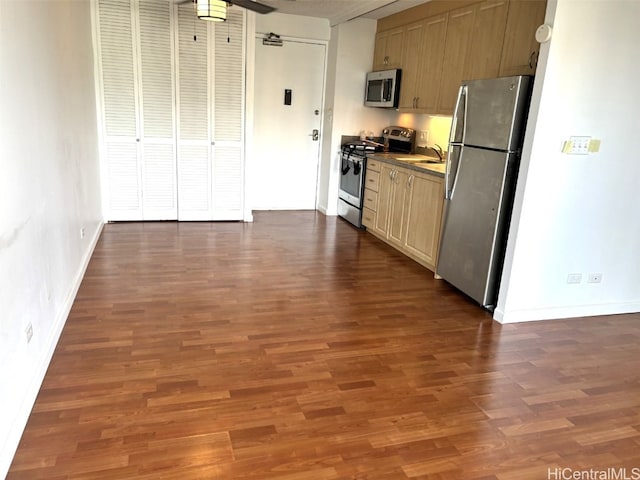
(388, 49)
(431, 59)
(520, 48)
(483, 59)
(457, 45)
(484, 39)
(371, 187)
(411, 65)
(407, 211)
(424, 216)
(398, 206)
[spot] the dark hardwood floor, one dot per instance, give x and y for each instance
(297, 348)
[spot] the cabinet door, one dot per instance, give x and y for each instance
(117, 55)
(424, 215)
(397, 206)
(159, 196)
(411, 60)
(388, 49)
(520, 50)
(457, 44)
(380, 51)
(483, 60)
(381, 224)
(431, 61)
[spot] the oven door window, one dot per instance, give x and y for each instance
(351, 178)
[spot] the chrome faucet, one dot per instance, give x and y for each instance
(438, 149)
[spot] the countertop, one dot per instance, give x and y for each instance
(411, 162)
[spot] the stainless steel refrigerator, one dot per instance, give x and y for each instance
(482, 165)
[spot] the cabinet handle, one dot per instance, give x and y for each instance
(417, 101)
(410, 182)
(531, 59)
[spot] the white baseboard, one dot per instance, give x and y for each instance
(556, 313)
(12, 439)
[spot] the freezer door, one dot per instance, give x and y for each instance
(495, 112)
(475, 222)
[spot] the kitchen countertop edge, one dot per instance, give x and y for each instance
(422, 167)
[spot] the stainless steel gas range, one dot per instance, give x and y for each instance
(353, 167)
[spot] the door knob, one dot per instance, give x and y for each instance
(315, 135)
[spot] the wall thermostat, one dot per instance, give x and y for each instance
(543, 33)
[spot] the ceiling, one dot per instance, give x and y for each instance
(340, 11)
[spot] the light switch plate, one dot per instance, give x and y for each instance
(576, 146)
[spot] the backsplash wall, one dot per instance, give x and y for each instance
(437, 126)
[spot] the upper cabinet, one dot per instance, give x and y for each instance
(476, 40)
(388, 49)
(456, 50)
(483, 59)
(520, 49)
(411, 69)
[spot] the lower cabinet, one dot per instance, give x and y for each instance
(407, 211)
(424, 216)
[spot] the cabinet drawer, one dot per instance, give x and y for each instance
(368, 217)
(373, 165)
(372, 180)
(370, 199)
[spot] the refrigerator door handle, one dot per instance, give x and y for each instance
(453, 142)
(452, 157)
(464, 90)
(454, 121)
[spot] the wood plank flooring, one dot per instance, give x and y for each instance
(299, 348)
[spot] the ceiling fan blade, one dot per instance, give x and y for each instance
(253, 6)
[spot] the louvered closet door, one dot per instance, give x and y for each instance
(159, 185)
(228, 108)
(120, 116)
(194, 100)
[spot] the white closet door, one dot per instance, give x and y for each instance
(194, 100)
(228, 123)
(119, 100)
(159, 189)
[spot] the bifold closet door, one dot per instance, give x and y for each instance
(135, 49)
(210, 66)
(194, 113)
(228, 117)
(159, 185)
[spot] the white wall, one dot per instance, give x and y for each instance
(579, 214)
(49, 190)
(293, 26)
(350, 57)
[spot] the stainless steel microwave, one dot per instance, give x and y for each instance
(383, 88)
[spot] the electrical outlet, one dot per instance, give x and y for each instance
(594, 278)
(580, 146)
(423, 138)
(29, 332)
(574, 278)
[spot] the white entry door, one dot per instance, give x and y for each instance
(288, 106)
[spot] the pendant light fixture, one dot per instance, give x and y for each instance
(212, 10)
